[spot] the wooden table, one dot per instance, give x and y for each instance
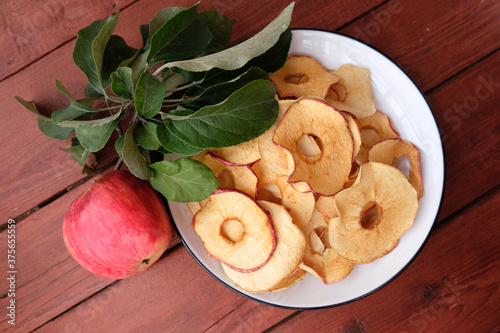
(450, 49)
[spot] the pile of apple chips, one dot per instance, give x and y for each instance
(317, 193)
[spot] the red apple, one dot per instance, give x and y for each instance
(118, 227)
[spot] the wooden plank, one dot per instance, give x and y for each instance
(452, 286)
(32, 31)
(474, 186)
(73, 296)
(48, 170)
(431, 40)
(463, 109)
(444, 287)
(49, 280)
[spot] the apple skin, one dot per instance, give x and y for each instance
(118, 227)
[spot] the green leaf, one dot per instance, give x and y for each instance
(122, 83)
(117, 53)
(90, 92)
(77, 152)
(80, 107)
(146, 136)
(88, 52)
(51, 129)
(160, 18)
(221, 29)
(139, 65)
(46, 125)
(149, 95)
(94, 138)
(173, 144)
(179, 37)
(238, 55)
(70, 112)
(219, 92)
(183, 180)
(246, 114)
(119, 146)
(90, 122)
(190, 42)
(133, 158)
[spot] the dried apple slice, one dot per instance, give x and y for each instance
(327, 172)
(326, 206)
(303, 76)
(388, 151)
(356, 134)
(244, 153)
(253, 248)
(275, 158)
(373, 213)
(277, 189)
(231, 175)
(319, 259)
(289, 281)
(353, 91)
(374, 129)
(283, 262)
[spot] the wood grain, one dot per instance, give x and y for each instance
(470, 132)
(450, 49)
(30, 32)
(86, 285)
(50, 280)
(48, 170)
(431, 40)
(444, 287)
(448, 288)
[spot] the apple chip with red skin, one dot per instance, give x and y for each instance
(303, 76)
(232, 175)
(244, 153)
(319, 259)
(353, 91)
(388, 151)
(219, 224)
(374, 129)
(283, 262)
(373, 213)
(275, 188)
(310, 121)
(275, 159)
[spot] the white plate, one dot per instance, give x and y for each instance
(396, 95)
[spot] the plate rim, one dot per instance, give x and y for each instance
(417, 253)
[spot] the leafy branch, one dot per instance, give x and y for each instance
(184, 90)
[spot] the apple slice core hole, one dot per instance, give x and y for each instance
(371, 216)
(296, 78)
(310, 148)
(270, 193)
(232, 230)
(226, 179)
(402, 163)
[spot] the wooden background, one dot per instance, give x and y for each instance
(449, 48)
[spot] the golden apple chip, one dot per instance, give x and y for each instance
(353, 91)
(283, 262)
(303, 76)
(374, 129)
(257, 242)
(388, 151)
(299, 205)
(312, 121)
(319, 259)
(373, 213)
